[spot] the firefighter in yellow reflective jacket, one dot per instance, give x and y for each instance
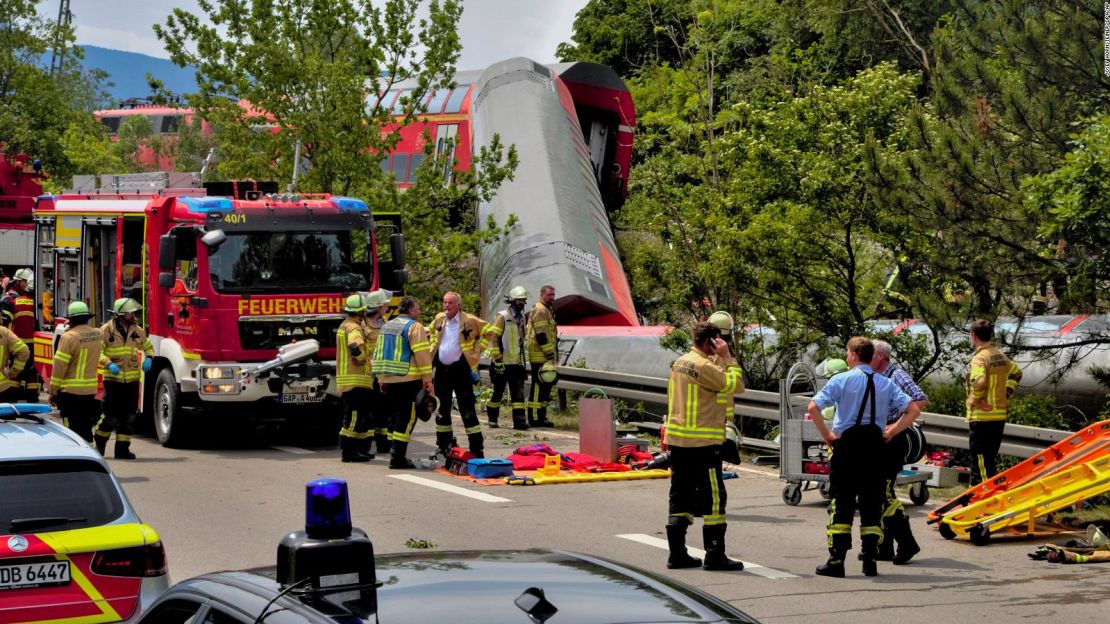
(991, 380)
(542, 338)
(458, 341)
(352, 377)
(699, 386)
(14, 356)
(122, 339)
(403, 366)
(508, 359)
(73, 378)
(377, 305)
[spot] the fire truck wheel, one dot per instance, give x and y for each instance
(167, 410)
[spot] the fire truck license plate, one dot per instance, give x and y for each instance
(298, 394)
(26, 575)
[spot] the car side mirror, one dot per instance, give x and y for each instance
(400, 277)
(166, 279)
(213, 239)
(167, 250)
(397, 249)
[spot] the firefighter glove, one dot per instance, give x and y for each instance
(474, 376)
(113, 368)
(147, 363)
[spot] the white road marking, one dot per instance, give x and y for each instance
(753, 568)
(293, 449)
(454, 489)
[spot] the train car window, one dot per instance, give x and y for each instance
(170, 123)
(435, 105)
(399, 105)
(111, 123)
(384, 164)
(414, 166)
(455, 102)
(400, 167)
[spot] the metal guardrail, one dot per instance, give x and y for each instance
(1018, 440)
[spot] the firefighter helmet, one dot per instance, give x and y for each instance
(834, 366)
(377, 298)
(548, 373)
(518, 292)
(355, 304)
(78, 308)
(730, 450)
(722, 321)
(426, 405)
(24, 274)
(124, 305)
(1096, 537)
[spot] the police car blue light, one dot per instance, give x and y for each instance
(327, 509)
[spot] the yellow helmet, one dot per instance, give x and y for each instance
(548, 373)
(722, 321)
(518, 292)
(355, 304)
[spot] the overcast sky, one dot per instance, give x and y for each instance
(491, 30)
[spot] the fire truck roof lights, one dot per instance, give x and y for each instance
(206, 204)
(349, 204)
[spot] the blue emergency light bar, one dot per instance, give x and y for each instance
(23, 409)
(349, 204)
(327, 509)
(206, 204)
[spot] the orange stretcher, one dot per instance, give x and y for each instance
(1017, 509)
(1083, 446)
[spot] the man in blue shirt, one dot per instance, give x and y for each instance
(857, 438)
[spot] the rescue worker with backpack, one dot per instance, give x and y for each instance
(458, 341)
(355, 384)
(14, 351)
(122, 338)
(377, 304)
(695, 435)
(507, 359)
(403, 367)
(18, 300)
(73, 379)
(542, 337)
(857, 437)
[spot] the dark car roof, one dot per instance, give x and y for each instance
(481, 586)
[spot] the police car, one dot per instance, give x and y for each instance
(71, 548)
(328, 573)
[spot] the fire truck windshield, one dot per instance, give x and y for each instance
(318, 261)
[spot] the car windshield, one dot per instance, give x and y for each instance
(319, 261)
(50, 495)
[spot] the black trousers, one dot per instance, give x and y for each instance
(79, 412)
(697, 486)
(894, 453)
(358, 418)
(11, 395)
(513, 379)
(984, 438)
(455, 379)
(402, 406)
(857, 476)
(539, 396)
(30, 382)
(121, 400)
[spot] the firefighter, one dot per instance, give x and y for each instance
(122, 338)
(14, 357)
(695, 434)
(723, 321)
(403, 367)
(857, 438)
(991, 380)
(377, 304)
(541, 338)
(18, 300)
(895, 522)
(352, 377)
(458, 341)
(73, 379)
(508, 357)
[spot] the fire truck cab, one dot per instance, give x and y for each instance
(230, 276)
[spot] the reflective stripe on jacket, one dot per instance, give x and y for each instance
(473, 340)
(402, 352)
(123, 351)
(696, 414)
(991, 379)
(11, 347)
(352, 371)
(507, 342)
(76, 360)
(543, 335)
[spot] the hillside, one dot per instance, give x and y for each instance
(127, 71)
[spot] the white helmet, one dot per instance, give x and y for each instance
(722, 321)
(24, 274)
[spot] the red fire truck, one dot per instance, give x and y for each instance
(19, 186)
(236, 283)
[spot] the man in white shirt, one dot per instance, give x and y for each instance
(458, 340)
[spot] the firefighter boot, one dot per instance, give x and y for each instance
(907, 545)
(383, 443)
(676, 540)
(477, 444)
(397, 459)
(122, 450)
(869, 547)
(886, 547)
(101, 444)
(349, 449)
(839, 545)
(715, 558)
(363, 448)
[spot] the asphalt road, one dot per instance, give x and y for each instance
(225, 506)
